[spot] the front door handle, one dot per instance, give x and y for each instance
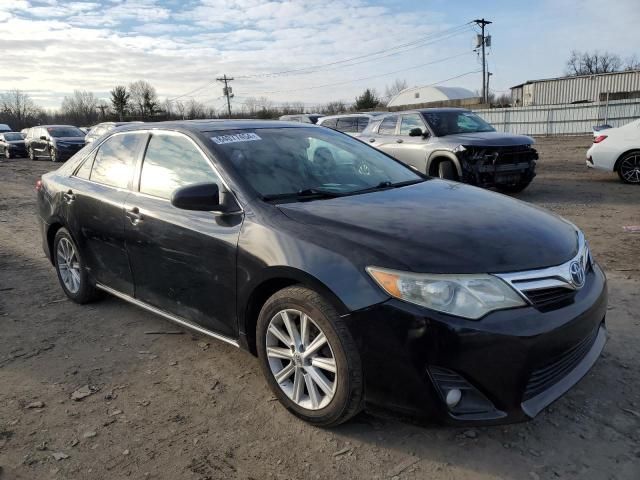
(399, 140)
(69, 196)
(134, 216)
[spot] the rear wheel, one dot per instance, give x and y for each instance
(309, 357)
(71, 269)
(447, 170)
(629, 168)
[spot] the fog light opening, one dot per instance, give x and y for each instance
(453, 397)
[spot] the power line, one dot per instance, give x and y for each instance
(416, 44)
(313, 87)
(448, 33)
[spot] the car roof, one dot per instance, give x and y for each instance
(47, 126)
(213, 125)
(431, 110)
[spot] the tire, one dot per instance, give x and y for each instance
(7, 154)
(515, 188)
(80, 290)
(629, 168)
(31, 153)
(447, 170)
(345, 395)
(53, 154)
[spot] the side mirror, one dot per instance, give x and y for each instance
(416, 132)
(201, 196)
(43, 137)
(204, 197)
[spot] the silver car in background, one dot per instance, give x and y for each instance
(455, 144)
(349, 123)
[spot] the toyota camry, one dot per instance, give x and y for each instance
(356, 281)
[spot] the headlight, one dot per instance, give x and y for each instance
(459, 148)
(468, 296)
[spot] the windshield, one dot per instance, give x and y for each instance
(60, 132)
(280, 162)
(453, 122)
(10, 137)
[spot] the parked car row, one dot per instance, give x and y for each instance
(356, 280)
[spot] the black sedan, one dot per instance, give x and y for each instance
(12, 145)
(355, 280)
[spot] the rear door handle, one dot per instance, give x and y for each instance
(69, 196)
(134, 216)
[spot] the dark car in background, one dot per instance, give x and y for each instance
(358, 284)
(56, 142)
(455, 144)
(101, 128)
(12, 145)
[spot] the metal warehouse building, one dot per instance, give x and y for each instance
(583, 88)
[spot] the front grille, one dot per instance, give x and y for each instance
(545, 377)
(545, 297)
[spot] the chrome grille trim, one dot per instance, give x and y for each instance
(552, 277)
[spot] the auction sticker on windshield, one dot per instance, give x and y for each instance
(238, 137)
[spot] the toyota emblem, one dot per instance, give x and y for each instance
(577, 274)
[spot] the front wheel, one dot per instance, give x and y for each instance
(629, 169)
(53, 153)
(447, 170)
(309, 357)
(71, 269)
(7, 153)
(32, 155)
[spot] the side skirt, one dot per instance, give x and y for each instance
(180, 321)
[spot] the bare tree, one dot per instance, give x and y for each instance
(395, 88)
(585, 63)
(80, 107)
(143, 97)
(333, 108)
(18, 110)
(632, 63)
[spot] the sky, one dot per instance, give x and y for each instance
(48, 48)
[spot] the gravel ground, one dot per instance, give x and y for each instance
(179, 406)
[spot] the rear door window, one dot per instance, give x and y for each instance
(388, 126)
(348, 124)
(116, 158)
(363, 122)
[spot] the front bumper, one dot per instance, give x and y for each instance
(65, 152)
(494, 166)
(519, 360)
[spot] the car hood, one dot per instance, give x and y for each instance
(488, 139)
(439, 227)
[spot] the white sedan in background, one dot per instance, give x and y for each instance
(618, 150)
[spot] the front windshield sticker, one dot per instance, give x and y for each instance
(238, 137)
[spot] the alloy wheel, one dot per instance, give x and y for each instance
(68, 265)
(630, 169)
(301, 359)
(54, 155)
(32, 155)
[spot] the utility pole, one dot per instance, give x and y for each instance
(483, 40)
(226, 91)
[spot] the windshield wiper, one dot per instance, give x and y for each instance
(386, 185)
(305, 194)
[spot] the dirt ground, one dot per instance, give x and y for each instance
(179, 406)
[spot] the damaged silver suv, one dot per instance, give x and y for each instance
(455, 144)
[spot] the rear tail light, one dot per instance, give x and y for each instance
(38, 185)
(599, 138)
